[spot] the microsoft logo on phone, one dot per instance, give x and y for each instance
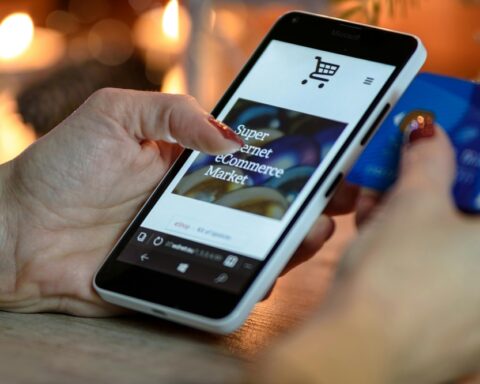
(322, 70)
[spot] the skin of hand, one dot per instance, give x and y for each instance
(67, 198)
(405, 307)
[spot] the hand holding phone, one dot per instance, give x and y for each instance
(218, 230)
(453, 104)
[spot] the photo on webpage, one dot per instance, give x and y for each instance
(281, 152)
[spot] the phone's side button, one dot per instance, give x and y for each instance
(159, 312)
(375, 124)
(334, 184)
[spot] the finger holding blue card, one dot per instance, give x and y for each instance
(453, 104)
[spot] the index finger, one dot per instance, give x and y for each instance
(164, 117)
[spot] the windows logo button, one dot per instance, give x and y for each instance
(230, 261)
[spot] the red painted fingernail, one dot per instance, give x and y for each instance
(225, 130)
(420, 128)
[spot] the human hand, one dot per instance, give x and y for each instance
(405, 307)
(67, 198)
(71, 194)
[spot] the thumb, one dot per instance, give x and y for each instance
(428, 160)
(165, 117)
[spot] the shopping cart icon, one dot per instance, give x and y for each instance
(323, 69)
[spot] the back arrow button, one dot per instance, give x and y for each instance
(144, 257)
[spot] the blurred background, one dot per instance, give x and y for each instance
(55, 53)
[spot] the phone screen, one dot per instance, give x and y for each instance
(220, 216)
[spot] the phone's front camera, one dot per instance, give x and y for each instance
(295, 20)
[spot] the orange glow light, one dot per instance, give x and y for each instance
(175, 81)
(15, 136)
(16, 35)
(26, 48)
(163, 33)
(171, 20)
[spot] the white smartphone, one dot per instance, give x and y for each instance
(218, 230)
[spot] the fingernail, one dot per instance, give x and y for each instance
(225, 131)
(421, 127)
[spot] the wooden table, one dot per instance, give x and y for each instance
(48, 348)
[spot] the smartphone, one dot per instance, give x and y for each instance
(218, 230)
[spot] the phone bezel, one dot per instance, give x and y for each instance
(295, 28)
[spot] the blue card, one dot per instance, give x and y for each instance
(454, 104)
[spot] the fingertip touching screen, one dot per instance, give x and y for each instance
(220, 216)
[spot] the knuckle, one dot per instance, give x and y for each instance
(178, 106)
(103, 95)
(187, 100)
